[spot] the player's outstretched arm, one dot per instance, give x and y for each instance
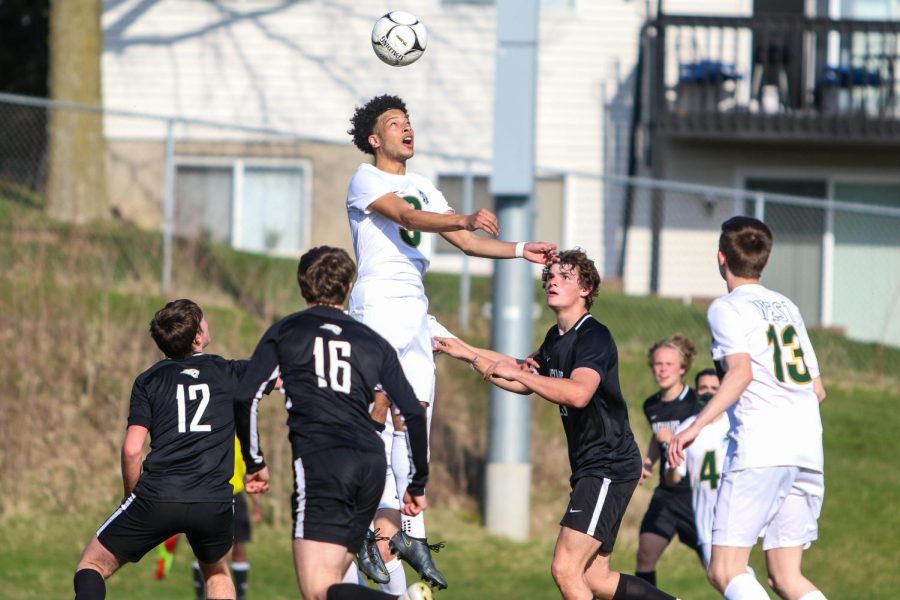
(542, 253)
(737, 377)
(480, 359)
(401, 212)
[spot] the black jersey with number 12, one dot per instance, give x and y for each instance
(188, 407)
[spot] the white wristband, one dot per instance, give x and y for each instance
(520, 249)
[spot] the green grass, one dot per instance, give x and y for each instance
(74, 308)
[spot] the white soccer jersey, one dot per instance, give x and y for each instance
(385, 251)
(703, 461)
(776, 421)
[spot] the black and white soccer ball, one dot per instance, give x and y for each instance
(399, 38)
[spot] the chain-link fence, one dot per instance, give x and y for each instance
(208, 210)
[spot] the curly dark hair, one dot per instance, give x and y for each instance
(588, 277)
(325, 274)
(365, 117)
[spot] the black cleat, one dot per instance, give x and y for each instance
(369, 560)
(417, 552)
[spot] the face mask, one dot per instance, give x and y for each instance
(702, 399)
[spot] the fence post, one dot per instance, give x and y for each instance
(759, 206)
(465, 280)
(826, 305)
(168, 207)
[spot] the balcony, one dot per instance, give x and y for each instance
(774, 78)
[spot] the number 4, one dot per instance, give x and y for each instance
(708, 471)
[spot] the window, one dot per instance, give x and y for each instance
(251, 205)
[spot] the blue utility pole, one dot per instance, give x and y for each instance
(508, 485)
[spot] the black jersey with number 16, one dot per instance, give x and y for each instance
(188, 407)
(330, 365)
(599, 436)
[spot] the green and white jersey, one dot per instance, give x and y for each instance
(385, 251)
(703, 462)
(776, 421)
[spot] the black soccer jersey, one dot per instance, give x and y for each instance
(669, 415)
(329, 365)
(599, 436)
(188, 407)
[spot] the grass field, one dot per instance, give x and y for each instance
(73, 311)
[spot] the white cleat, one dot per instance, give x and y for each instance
(419, 591)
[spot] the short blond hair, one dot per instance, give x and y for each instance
(681, 344)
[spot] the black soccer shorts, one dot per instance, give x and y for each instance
(670, 512)
(140, 525)
(336, 493)
(242, 526)
(596, 508)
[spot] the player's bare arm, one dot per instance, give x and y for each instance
(479, 359)
(132, 454)
(737, 378)
(819, 389)
(401, 212)
(542, 253)
(650, 459)
(575, 391)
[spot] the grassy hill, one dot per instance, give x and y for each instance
(75, 304)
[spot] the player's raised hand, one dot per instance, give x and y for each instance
(413, 505)
(484, 220)
(258, 482)
(542, 253)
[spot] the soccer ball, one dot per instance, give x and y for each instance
(399, 38)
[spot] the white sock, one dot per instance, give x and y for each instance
(414, 526)
(397, 584)
(813, 595)
(400, 465)
(353, 575)
(745, 587)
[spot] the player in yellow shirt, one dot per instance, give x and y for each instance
(240, 565)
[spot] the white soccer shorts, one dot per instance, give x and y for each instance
(779, 504)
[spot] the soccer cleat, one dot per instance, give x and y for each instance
(417, 552)
(419, 591)
(369, 560)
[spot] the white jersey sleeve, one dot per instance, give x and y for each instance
(731, 333)
(365, 188)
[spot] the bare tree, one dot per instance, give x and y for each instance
(76, 189)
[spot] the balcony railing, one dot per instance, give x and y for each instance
(775, 77)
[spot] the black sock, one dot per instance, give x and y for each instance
(351, 591)
(633, 588)
(648, 576)
(89, 585)
(199, 583)
(239, 574)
